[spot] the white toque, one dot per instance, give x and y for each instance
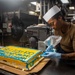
(51, 12)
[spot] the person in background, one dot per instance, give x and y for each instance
(66, 48)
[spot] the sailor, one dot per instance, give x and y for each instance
(66, 49)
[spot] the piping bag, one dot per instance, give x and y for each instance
(51, 42)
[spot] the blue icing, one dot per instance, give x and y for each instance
(49, 49)
(2, 53)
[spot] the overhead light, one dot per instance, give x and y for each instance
(34, 3)
(71, 8)
(64, 1)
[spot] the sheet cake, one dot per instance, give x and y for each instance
(22, 58)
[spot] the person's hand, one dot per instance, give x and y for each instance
(51, 55)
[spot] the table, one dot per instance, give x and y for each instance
(58, 69)
(48, 67)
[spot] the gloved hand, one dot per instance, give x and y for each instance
(51, 55)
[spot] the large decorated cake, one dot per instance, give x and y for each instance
(23, 58)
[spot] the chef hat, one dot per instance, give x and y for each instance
(54, 10)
